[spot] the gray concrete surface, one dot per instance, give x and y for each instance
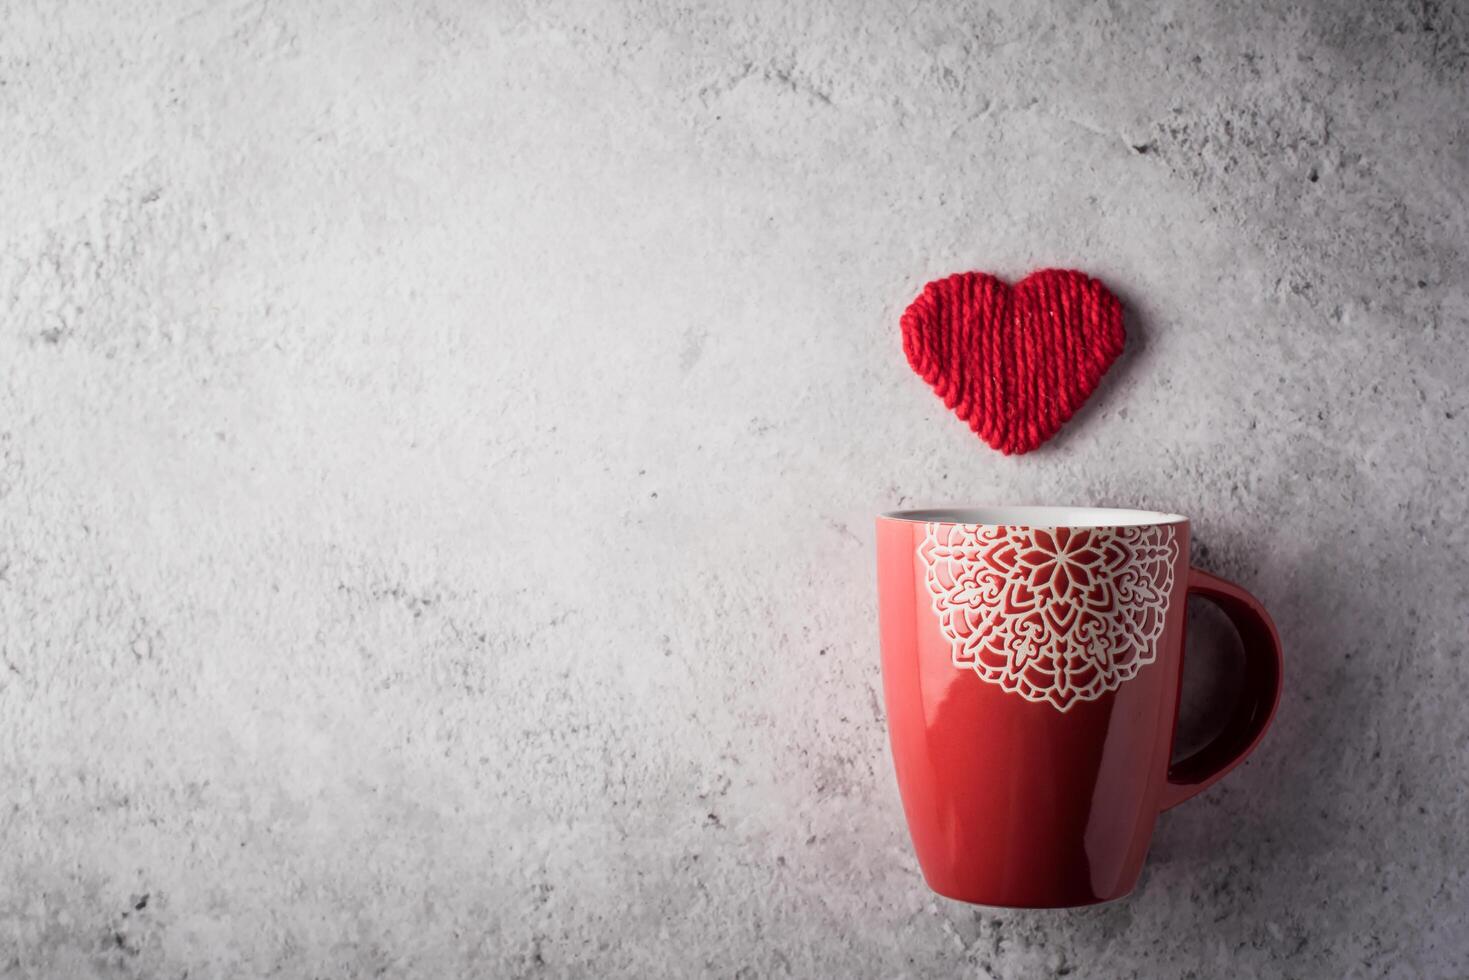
(440, 443)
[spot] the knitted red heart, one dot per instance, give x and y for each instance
(1013, 363)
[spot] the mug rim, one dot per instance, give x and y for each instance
(1039, 516)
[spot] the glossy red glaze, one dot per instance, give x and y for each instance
(1016, 802)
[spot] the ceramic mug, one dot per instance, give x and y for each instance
(1031, 663)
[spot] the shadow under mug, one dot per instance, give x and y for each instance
(1032, 664)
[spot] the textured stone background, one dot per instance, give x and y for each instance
(440, 443)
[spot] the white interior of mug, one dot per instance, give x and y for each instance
(1037, 516)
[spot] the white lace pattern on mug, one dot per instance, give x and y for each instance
(1052, 614)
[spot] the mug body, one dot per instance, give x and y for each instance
(1031, 660)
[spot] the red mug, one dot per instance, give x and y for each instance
(1031, 665)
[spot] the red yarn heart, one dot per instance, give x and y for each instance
(1013, 363)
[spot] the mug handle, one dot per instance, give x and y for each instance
(1190, 776)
